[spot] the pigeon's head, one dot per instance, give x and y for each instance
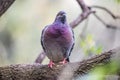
(61, 17)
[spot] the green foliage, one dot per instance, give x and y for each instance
(88, 45)
(101, 72)
(118, 1)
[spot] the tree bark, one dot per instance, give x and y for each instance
(58, 72)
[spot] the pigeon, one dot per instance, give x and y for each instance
(57, 40)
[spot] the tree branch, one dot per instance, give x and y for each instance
(58, 72)
(104, 23)
(4, 5)
(40, 57)
(85, 13)
(107, 10)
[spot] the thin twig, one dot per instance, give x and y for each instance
(40, 58)
(104, 23)
(107, 10)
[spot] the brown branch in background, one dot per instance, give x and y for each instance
(105, 24)
(111, 26)
(58, 72)
(4, 5)
(107, 10)
(40, 57)
(85, 13)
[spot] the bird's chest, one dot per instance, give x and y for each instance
(56, 40)
(55, 33)
(60, 34)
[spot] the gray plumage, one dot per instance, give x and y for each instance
(57, 39)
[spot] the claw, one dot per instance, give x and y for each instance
(64, 61)
(51, 64)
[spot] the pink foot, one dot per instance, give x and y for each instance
(51, 64)
(64, 61)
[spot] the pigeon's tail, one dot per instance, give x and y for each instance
(68, 60)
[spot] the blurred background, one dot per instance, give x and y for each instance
(21, 26)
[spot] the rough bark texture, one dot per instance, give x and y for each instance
(58, 72)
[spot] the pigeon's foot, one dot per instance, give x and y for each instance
(51, 64)
(64, 61)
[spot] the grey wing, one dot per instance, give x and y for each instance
(72, 44)
(42, 38)
(71, 47)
